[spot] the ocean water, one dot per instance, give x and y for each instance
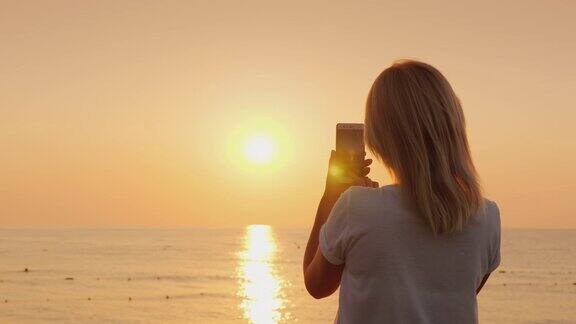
(244, 275)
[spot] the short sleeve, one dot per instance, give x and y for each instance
(495, 240)
(333, 234)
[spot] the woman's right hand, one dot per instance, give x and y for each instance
(337, 168)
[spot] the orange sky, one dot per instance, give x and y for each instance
(121, 113)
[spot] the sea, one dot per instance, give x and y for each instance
(242, 275)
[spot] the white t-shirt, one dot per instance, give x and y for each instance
(396, 270)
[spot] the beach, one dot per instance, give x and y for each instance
(242, 275)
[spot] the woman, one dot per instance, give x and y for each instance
(419, 250)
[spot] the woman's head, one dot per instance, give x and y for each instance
(415, 125)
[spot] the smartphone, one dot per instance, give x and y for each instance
(349, 145)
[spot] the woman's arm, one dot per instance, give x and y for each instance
(321, 277)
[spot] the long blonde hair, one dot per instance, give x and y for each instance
(415, 125)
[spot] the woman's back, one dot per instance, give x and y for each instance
(397, 269)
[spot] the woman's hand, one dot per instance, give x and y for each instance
(338, 166)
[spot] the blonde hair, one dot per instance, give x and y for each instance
(415, 125)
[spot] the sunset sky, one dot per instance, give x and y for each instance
(139, 113)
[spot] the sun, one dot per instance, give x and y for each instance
(260, 149)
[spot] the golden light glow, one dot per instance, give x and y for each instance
(258, 146)
(259, 285)
(159, 100)
(335, 171)
(260, 149)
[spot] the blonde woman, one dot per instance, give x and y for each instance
(418, 250)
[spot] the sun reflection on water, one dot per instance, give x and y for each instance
(259, 285)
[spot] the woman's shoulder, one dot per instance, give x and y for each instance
(367, 198)
(492, 211)
(359, 192)
(487, 217)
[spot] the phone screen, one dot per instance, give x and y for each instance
(350, 139)
(350, 145)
